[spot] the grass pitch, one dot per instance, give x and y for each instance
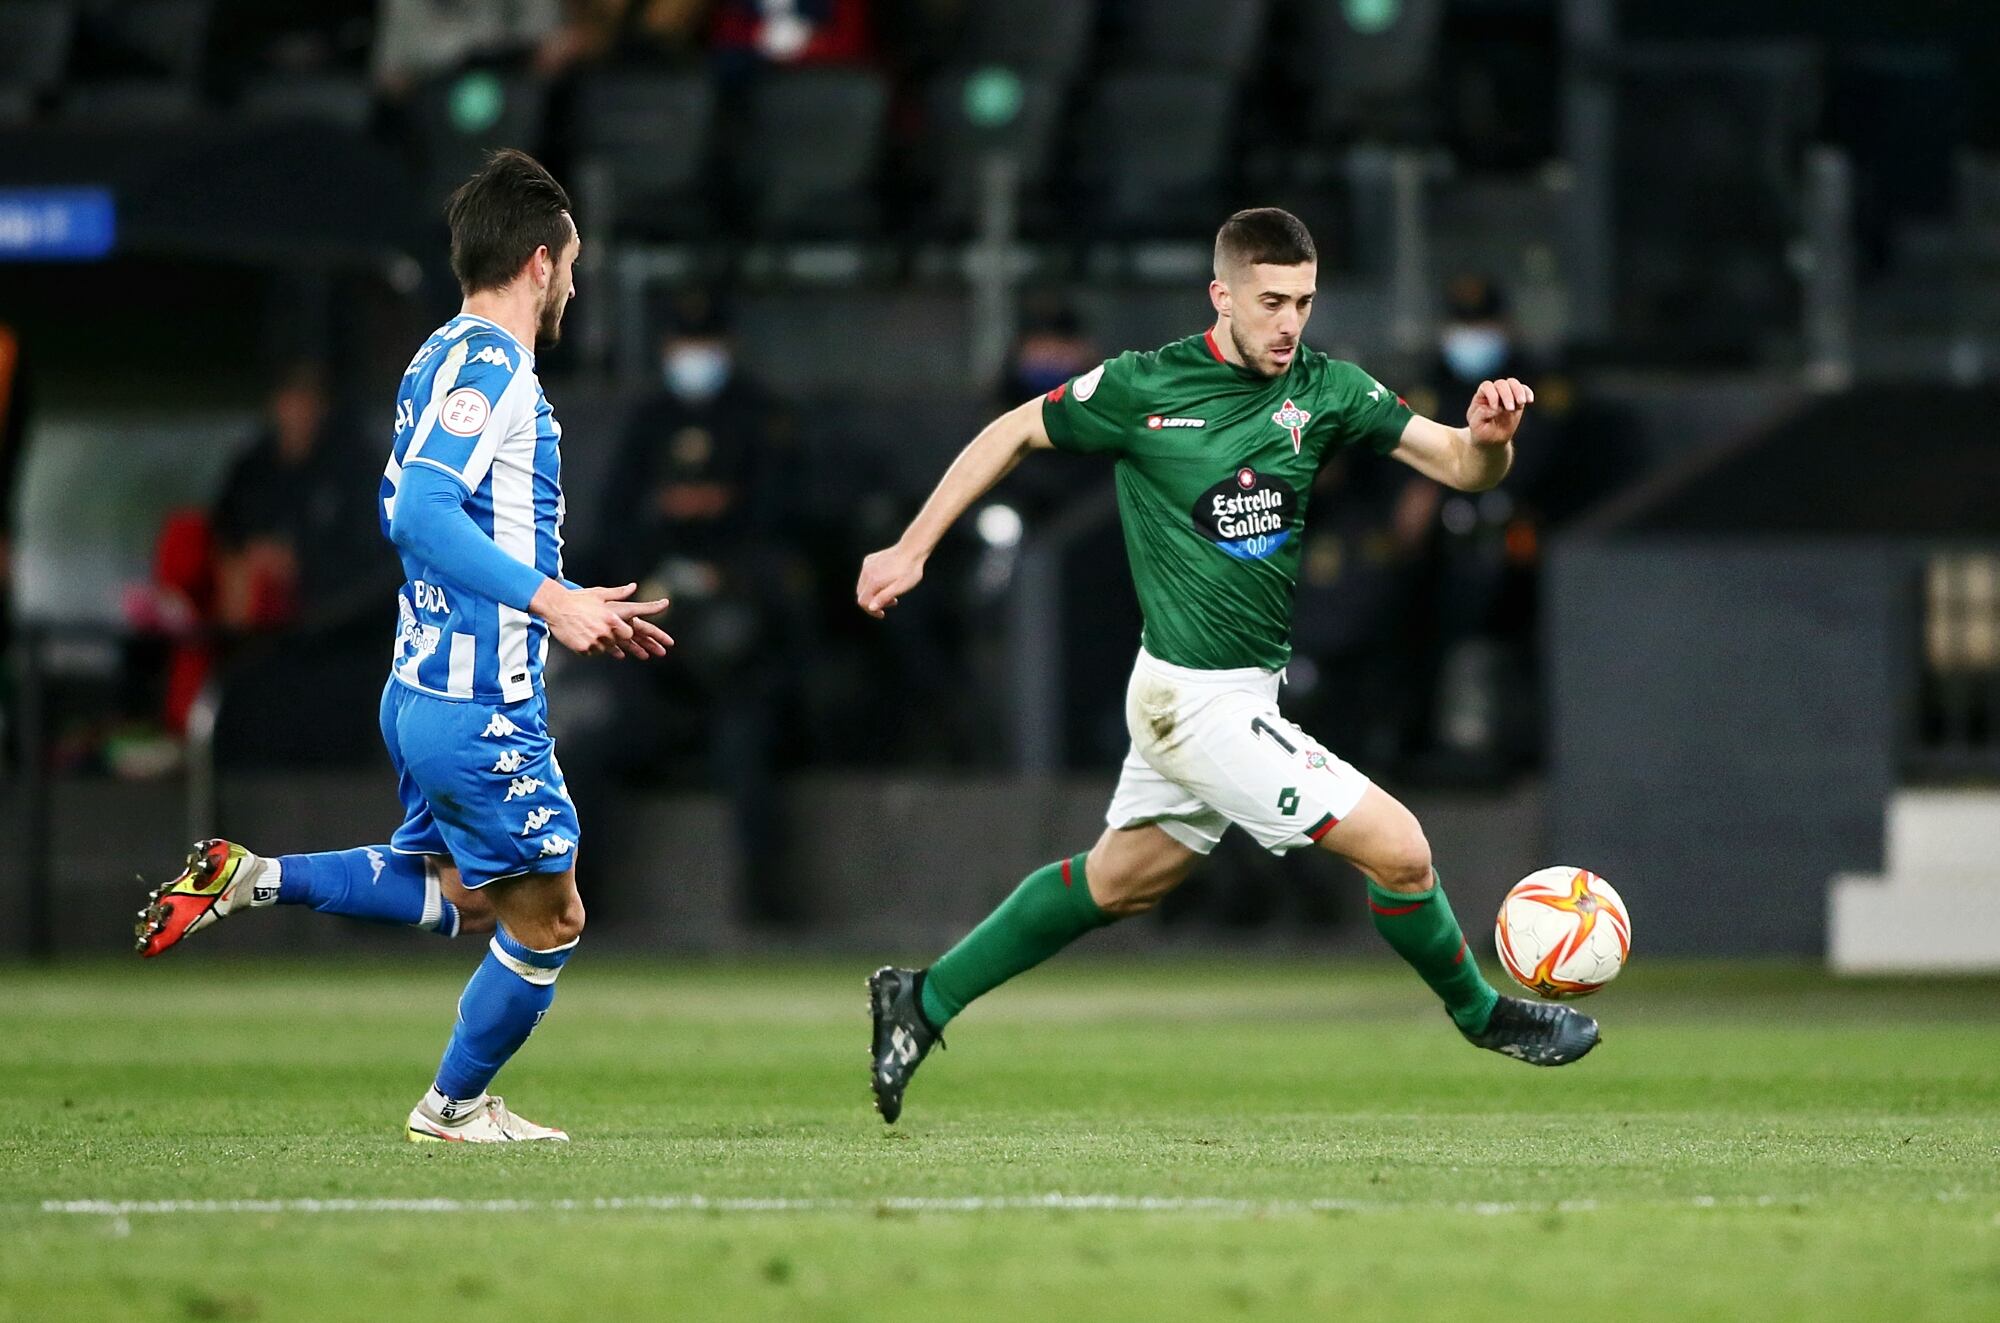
(1103, 1141)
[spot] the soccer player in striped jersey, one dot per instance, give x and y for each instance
(1216, 440)
(472, 499)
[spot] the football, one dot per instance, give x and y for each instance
(1563, 932)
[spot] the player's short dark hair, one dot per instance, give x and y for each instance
(1269, 236)
(500, 216)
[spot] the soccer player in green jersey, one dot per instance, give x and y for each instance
(1216, 440)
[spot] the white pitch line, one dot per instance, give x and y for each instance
(696, 1203)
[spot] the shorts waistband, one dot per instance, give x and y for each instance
(1189, 675)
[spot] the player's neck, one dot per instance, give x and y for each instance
(1223, 345)
(513, 311)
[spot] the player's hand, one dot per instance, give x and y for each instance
(601, 622)
(1495, 412)
(886, 576)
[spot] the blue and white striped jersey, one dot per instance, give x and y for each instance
(470, 405)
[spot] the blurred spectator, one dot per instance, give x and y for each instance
(296, 510)
(420, 39)
(290, 554)
(1050, 350)
(699, 494)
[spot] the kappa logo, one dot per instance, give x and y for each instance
(537, 819)
(1293, 419)
(553, 845)
(499, 728)
(523, 785)
(1156, 422)
(509, 761)
(376, 863)
(495, 355)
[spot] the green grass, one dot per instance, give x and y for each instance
(1749, 1143)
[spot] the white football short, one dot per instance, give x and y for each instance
(1210, 748)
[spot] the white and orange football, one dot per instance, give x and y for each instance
(1563, 932)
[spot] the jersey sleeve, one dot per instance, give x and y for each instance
(1369, 413)
(1092, 414)
(470, 409)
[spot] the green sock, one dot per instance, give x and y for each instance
(1422, 929)
(1049, 910)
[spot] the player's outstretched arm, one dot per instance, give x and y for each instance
(889, 573)
(1474, 457)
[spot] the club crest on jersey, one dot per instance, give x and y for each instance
(1248, 514)
(1293, 419)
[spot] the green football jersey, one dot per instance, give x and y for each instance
(1215, 467)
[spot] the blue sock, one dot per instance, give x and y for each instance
(509, 994)
(373, 882)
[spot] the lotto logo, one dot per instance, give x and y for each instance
(509, 761)
(536, 820)
(499, 728)
(523, 785)
(555, 845)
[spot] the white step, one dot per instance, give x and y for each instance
(1914, 925)
(1955, 833)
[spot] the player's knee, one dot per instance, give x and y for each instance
(476, 920)
(1135, 891)
(1406, 864)
(566, 925)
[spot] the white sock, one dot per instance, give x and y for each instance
(265, 877)
(449, 1111)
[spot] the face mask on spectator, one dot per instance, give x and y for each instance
(1474, 352)
(697, 373)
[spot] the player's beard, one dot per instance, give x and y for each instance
(1258, 362)
(548, 326)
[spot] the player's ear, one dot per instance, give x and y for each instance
(1218, 295)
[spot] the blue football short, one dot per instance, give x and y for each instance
(479, 783)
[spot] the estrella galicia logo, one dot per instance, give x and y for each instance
(1249, 515)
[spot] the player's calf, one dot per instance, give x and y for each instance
(541, 923)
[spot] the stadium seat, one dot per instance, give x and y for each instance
(653, 133)
(1368, 66)
(153, 38)
(807, 163)
(1045, 38)
(809, 341)
(342, 102)
(1189, 34)
(1734, 120)
(129, 104)
(956, 149)
(1151, 152)
(455, 121)
(35, 38)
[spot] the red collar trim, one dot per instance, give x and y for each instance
(1208, 338)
